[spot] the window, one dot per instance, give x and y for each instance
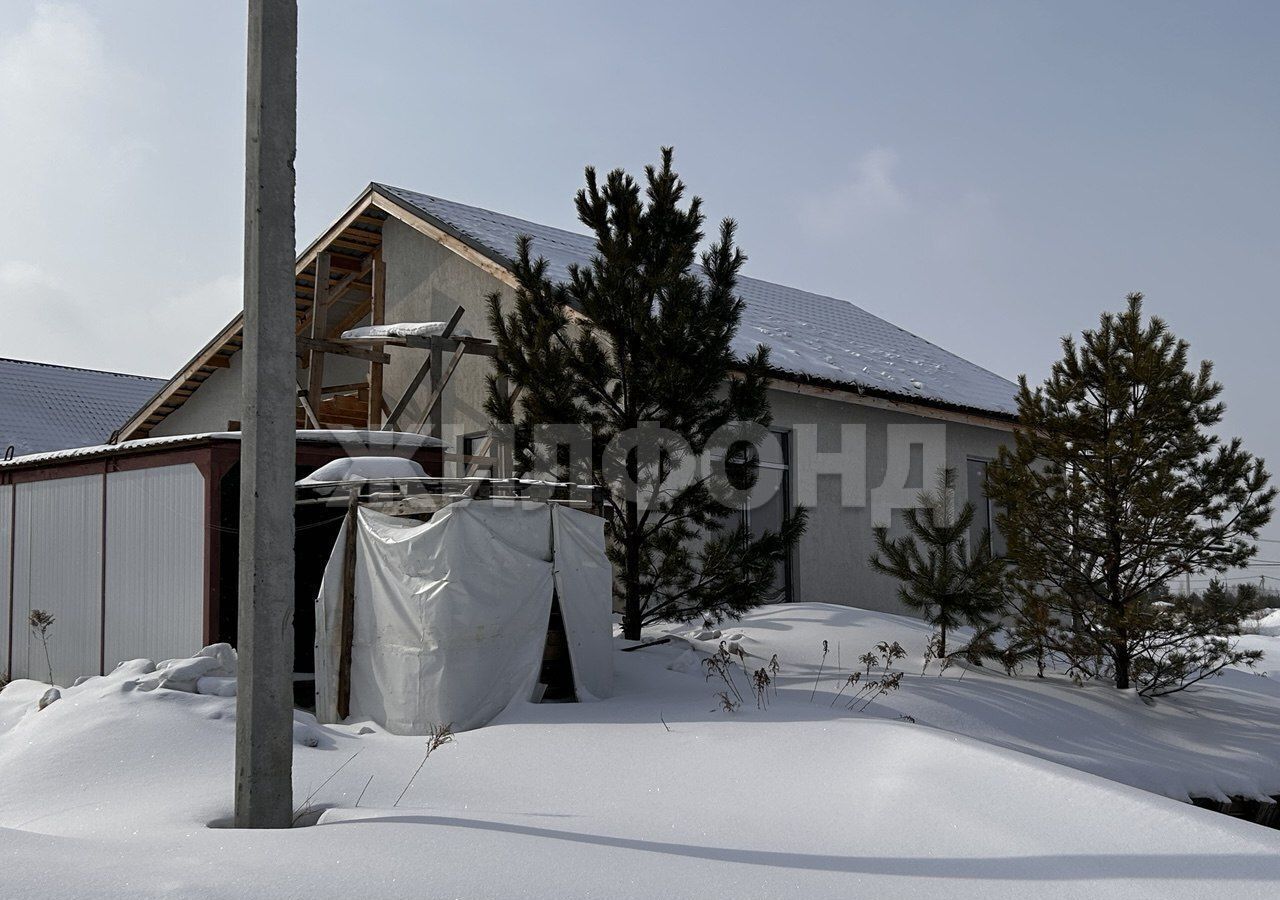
(984, 511)
(471, 444)
(770, 512)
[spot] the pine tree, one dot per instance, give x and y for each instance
(639, 343)
(1115, 485)
(949, 582)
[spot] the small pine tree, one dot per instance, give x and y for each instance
(1116, 485)
(1032, 633)
(951, 584)
(1186, 639)
(642, 336)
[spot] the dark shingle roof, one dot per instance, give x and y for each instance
(809, 335)
(46, 407)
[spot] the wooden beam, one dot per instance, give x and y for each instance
(434, 411)
(349, 281)
(394, 417)
(344, 244)
(315, 367)
(452, 323)
(334, 292)
(345, 262)
(478, 346)
(307, 343)
(355, 211)
(308, 411)
(377, 311)
(361, 235)
(351, 387)
(347, 616)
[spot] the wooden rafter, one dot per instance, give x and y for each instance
(315, 351)
(343, 349)
(377, 311)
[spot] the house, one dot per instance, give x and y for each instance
(864, 412)
(46, 407)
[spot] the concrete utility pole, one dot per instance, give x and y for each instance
(264, 702)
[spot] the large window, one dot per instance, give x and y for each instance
(984, 511)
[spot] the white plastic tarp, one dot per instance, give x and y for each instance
(584, 587)
(451, 615)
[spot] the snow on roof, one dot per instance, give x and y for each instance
(809, 335)
(358, 440)
(47, 407)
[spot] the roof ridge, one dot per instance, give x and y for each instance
(49, 365)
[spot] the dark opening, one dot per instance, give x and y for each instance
(316, 530)
(557, 670)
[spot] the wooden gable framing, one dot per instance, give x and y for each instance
(349, 257)
(344, 269)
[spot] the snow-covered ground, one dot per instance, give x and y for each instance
(109, 791)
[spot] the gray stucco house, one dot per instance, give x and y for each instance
(864, 411)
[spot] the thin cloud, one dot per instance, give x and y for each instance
(70, 112)
(865, 198)
(44, 311)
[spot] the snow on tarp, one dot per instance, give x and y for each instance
(451, 615)
(403, 329)
(364, 468)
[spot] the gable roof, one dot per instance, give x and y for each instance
(45, 407)
(813, 339)
(809, 335)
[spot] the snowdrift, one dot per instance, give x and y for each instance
(108, 792)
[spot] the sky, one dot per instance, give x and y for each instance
(991, 176)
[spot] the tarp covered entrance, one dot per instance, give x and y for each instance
(451, 615)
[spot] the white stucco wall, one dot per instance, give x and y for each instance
(215, 403)
(426, 282)
(830, 563)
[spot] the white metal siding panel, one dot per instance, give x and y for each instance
(6, 535)
(58, 568)
(155, 563)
